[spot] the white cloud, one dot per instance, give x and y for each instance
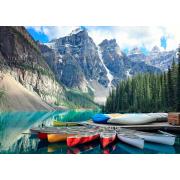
(54, 31)
(173, 35)
(127, 37)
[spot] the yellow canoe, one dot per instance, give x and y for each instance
(53, 138)
(58, 123)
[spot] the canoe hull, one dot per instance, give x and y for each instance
(161, 139)
(76, 140)
(106, 141)
(107, 138)
(42, 136)
(58, 123)
(136, 142)
(53, 138)
(135, 119)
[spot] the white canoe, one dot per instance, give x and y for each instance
(166, 139)
(157, 138)
(132, 140)
(139, 118)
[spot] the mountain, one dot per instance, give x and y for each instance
(75, 60)
(21, 59)
(70, 70)
(136, 55)
(78, 63)
(119, 64)
(161, 59)
(18, 98)
(157, 57)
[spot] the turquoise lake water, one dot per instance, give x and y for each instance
(14, 137)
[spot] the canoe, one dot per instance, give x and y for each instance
(58, 123)
(135, 119)
(107, 137)
(131, 139)
(82, 138)
(166, 139)
(53, 138)
(100, 118)
(157, 138)
(56, 136)
(36, 130)
(42, 136)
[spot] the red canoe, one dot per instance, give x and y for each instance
(82, 138)
(107, 138)
(42, 136)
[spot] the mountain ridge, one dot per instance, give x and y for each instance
(68, 67)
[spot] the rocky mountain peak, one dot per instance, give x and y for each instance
(108, 43)
(111, 47)
(155, 49)
(78, 30)
(135, 50)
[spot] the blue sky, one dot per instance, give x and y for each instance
(143, 37)
(38, 36)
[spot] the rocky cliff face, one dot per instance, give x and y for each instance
(21, 57)
(119, 64)
(161, 59)
(136, 55)
(157, 58)
(75, 60)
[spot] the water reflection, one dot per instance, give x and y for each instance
(14, 124)
(123, 148)
(57, 148)
(160, 148)
(84, 148)
(109, 150)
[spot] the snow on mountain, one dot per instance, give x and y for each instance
(109, 75)
(134, 51)
(128, 73)
(79, 63)
(76, 31)
(51, 45)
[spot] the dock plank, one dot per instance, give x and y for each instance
(144, 127)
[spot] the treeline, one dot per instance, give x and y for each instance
(147, 92)
(76, 99)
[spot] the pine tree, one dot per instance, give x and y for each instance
(170, 91)
(178, 83)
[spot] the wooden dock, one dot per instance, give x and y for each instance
(164, 126)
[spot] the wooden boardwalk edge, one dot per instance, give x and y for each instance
(145, 127)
